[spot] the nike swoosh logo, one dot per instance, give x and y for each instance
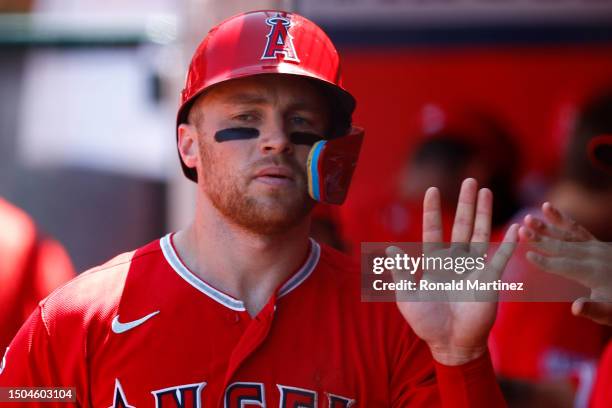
(119, 327)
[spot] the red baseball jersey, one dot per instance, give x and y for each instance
(31, 266)
(143, 331)
(602, 394)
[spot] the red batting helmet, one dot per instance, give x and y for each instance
(267, 42)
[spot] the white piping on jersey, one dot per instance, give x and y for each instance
(184, 272)
(226, 300)
(305, 271)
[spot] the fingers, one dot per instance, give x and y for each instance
(557, 225)
(572, 230)
(432, 221)
(482, 224)
(503, 253)
(464, 216)
(542, 227)
(554, 246)
(472, 218)
(599, 312)
(576, 269)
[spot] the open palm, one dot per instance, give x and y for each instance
(457, 331)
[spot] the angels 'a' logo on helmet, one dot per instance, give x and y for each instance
(279, 39)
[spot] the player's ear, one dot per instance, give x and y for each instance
(188, 144)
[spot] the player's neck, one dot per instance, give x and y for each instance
(243, 264)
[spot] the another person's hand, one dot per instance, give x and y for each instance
(562, 246)
(457, 331)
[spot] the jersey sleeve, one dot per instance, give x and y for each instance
(418, 380)
(413, 378)
(52, 268)
(33, 360)
(473, 384)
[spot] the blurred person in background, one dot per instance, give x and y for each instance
(584, 190)
(564, 247)
(454, 144)
(31, 266)
(543, 352)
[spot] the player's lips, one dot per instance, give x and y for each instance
(275, 175)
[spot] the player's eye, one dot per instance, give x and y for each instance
(246, 117)
(300, 121)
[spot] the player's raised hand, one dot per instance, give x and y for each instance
(562, 246)
(457, 332)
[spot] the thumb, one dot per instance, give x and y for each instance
(400, 275)
(599, 312)
(392, 252)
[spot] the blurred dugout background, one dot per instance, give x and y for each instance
(89, 91)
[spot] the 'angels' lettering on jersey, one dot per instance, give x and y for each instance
(237, 395)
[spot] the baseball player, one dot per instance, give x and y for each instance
(564, 247)
(242, 308)
(32, 265)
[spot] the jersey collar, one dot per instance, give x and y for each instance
(226, 300)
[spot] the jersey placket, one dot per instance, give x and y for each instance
(255, 333)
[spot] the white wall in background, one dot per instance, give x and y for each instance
(92, 108)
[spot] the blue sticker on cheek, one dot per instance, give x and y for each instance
(305, 138)
(226, 135)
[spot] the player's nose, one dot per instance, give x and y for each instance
(274, 138)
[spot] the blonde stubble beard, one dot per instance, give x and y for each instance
(274, 215)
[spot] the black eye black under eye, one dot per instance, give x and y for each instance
(305, 138)
(243, 133)
(238, 133)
